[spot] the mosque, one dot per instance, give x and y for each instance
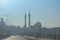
(29, 21)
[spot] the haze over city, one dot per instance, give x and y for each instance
(45, 11)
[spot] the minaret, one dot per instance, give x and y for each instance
(29, 19)
(25, 21)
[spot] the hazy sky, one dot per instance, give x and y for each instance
(45, 11)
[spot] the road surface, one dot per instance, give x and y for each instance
(23, 38)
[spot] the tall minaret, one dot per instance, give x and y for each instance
(29, 19)
(25, 21)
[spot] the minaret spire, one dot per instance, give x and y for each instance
(25, 21)
(29, 19)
